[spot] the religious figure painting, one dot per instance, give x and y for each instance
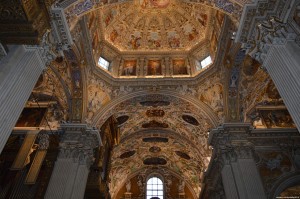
(108, 17)
(154, 40)
(190, 32)
(179, 67)
(173, 39)
(113, 35)
(135, 40)
(154, 3)
(154, 67)
(129, 68)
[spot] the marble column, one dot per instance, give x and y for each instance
(239, 173)
(70, 173)
(19, 72)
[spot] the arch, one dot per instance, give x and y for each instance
(107, 110)
(162, 133)
(289, 181)
(150, 172)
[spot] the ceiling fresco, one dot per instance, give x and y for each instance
(160, 131)
(164, 25)
(163, 112)
(177, 155)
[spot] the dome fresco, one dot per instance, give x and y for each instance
(155, 25)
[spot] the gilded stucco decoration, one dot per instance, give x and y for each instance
(172, 118)
(156, 134)
(55, 91)
(165, 155)
(146, 26)
(98, 94)
(260, 101)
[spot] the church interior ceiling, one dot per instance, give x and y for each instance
(176, 155)
(163, 123)
(261, 103)
(141, 38)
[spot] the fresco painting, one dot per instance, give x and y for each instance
(154, 67)
(179, 67)
(154, 3)
(129, 67)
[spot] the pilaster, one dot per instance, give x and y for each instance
(240, 176)
(76, 155)
(273, 42)
(19, 71)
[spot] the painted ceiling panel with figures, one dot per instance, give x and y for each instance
(163, 25)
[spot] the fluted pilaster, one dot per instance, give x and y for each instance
(240, 176)
(19, 72)
(71, 169)
(283, 64)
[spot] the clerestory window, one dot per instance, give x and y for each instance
(103, 63)
(206, 62)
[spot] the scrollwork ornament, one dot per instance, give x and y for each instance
(43, 141)
(269, 33)
(244, 152)
(228, 156)
(45, 49)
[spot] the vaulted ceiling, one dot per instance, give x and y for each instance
(155, 25)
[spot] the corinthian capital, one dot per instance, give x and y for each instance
(78, 143)
(267, 33)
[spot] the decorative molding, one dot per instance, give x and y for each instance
(78, 143)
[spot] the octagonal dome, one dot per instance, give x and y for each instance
(155, 25)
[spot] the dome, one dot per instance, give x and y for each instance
(170, 35)
(162, 25)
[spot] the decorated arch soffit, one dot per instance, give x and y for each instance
(166, 130)
(140, 153)
(53, 88)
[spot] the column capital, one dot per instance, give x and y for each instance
(47, 51)
(230, 134)
(78, 143)
(268, 33)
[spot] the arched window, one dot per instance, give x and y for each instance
(155, 188)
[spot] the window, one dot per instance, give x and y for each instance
(155, 188)
(103, 63)
(206, 62)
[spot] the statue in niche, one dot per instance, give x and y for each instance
(128, 186)
(181, 187)
(233, 80)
